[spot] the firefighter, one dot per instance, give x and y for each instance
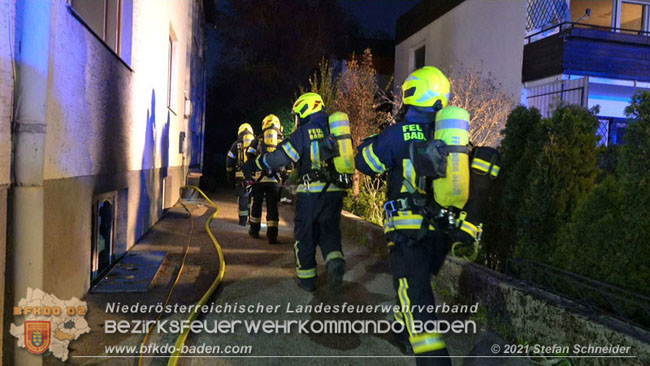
(268, 185)
(234, 162)
(319, 202)
(417, 250)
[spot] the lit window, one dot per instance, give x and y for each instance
(601, 12)
(631, 17)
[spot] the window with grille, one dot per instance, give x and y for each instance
(544, 13)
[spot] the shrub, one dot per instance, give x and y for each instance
(562, 173)
(609, 230)
(522, 142)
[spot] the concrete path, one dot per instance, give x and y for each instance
(257, 272)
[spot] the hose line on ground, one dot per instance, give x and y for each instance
(180, 341)
(171, 290)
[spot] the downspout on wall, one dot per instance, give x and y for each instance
(29, 146)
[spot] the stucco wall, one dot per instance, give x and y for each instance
(67, 267)
(103, 117)
(487, 35)
(110, 129)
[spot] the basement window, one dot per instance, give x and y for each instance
(103, 240)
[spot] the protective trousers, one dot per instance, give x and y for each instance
(271, 191)
(317, 222)
(412, 263)
(243, 200)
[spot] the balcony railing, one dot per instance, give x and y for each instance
(565, 26)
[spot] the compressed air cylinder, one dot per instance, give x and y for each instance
(340, 128)
(270, 139)
(452, 127)
(247, 138)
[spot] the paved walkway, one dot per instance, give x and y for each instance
(257, 272)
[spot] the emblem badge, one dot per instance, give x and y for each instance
(37, 336)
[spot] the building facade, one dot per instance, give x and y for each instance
(543, 52)
(101, 121)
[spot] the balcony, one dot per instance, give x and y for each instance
(583, 49)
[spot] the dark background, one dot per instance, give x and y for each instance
(261, 51)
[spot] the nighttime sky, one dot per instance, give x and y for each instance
(378, 15)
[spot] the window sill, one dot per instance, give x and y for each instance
(83, 22)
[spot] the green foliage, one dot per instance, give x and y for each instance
(594, 233)
(369, 204)
(522, 142)
(561, 174)
(287, 121)
(607, 236)
(567, 202)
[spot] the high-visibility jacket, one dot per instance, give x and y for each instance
(389, 152)
(258, 147)
(236, 156)
(302, 147)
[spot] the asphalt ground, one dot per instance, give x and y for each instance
(260, 273)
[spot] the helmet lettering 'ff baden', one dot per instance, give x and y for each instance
(425, 87)
(307, 104)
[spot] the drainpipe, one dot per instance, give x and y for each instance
(29, 128)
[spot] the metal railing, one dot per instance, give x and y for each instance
(564, 26)
(596, 297)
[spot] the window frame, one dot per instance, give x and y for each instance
(96, 274)
(618, 12)
(101, 38)
(172, 71)
(412, 56)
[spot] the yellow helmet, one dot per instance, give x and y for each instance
(243, 128)
(425, 86)
(270, 121)
(307, 104)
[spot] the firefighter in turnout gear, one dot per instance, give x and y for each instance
(417, 250)
(320, 195)
(268, 185)
(235, 160)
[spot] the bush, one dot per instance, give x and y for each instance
(522, 142)
(567, 202)
(370, 202)
(609, 230)
(563, 172)
(593, 235)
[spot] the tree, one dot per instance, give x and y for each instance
(483, 98)
(561, 175)
(356, 92)
(264, 49)
(522, 142)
